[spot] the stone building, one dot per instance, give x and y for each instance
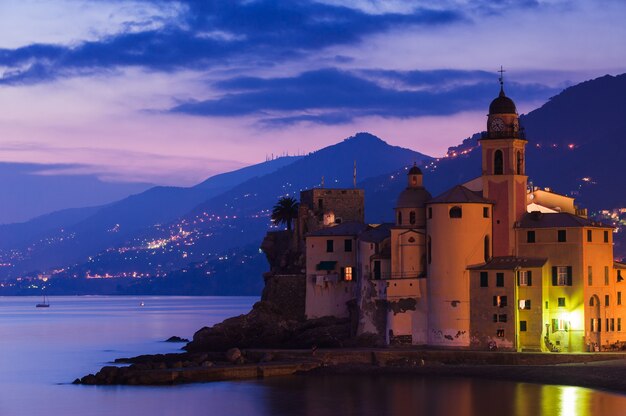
(491, 263)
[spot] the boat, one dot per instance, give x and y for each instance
(44, 304)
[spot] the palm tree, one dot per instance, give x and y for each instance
(285, 211)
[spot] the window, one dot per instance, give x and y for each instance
(347, 274)
(412, 217)
(612, 324)
(561, 302)
(619, 324)
(606, 300)
(330, 246)
(562, 236)
(500, 279)
(429, 249)
(546, 304)
(498, 163)
(522, 326)
(591, 301)
(524, 304)
(495, 317)
(487, 248)
(599, 321)
(559, 325)
(500, 333)
(520, 163)
(589, 236)
(619, 298)
(530, 236)
(484, 279)
(456, 212)
(502, 317)
(524, 278)
(607, 325)
(561, 275)
(592, 325)
(485, 212)
(589, 275)
(347, 245)
(606, 275)
(430, 212)
(499, 301)
(399, 218)
(606, 236)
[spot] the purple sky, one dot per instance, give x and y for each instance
(172, 92)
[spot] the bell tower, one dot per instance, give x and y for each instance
(504, 170)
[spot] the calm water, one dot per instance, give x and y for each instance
(43, 350)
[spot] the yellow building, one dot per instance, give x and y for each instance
(491, 263)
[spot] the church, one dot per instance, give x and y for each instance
(489, 264)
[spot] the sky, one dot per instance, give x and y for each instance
(171, 92)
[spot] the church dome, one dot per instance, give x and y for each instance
(413, 198)
(415, 171)
(502, 105)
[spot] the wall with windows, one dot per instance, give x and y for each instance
(453, 243)
(331, 273)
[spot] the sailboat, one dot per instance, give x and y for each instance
(44, 304)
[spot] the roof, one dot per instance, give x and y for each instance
(376, 234)
(502, 105)
(415, 170)
(538, 219)
(413, 198)
(619, 265)
(460, 194)
(350, 228)
(510, 263)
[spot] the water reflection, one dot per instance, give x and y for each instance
(407, 395)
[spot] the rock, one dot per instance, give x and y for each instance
(176, 339)
(206, 364)
(233, 355)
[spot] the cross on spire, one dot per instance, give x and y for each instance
(501, 79)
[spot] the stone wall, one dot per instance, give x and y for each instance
(287, 292)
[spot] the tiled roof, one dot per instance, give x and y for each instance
(351, 228)
(376, 234)
(557, 219)
(510, 263)
(459, 194)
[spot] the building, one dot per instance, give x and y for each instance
(491, 263)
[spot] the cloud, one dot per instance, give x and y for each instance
(332, 96)
(214, 33)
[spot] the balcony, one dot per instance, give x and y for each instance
(402, 275)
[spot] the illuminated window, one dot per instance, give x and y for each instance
(484, 279)
(499, 301)
(522, 326)
(530, 236)
(500, 333)
(606, 275)
(592, 326)
(562, 236)
(561, 302)
(589, 275)
(347, 274)
(499, 279)
(456, 212)
(524, 304)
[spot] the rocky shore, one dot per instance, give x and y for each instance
(264, 343)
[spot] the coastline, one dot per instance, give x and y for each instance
(603, 371)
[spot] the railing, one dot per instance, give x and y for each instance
(520, 134)
(400, 275)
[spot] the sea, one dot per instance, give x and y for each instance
(42, 350)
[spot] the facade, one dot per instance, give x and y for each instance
(492, 263)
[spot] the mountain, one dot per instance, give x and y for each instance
(31, 190)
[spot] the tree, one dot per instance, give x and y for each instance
(285, 211)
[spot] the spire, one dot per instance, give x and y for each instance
(501, 79)
(354, 176)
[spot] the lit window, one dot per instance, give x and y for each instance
(499, 301)
(347, 276)
(500, 333)
(524, 304)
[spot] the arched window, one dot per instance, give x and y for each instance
(520, 163)
(456, 212)
(412, 217)
(429, 250)
(487, 249)
(498, 163)
(591, 301)
(399, 218)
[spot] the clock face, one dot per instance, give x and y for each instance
(497, 124)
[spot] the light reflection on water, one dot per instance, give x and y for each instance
(43, 350)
